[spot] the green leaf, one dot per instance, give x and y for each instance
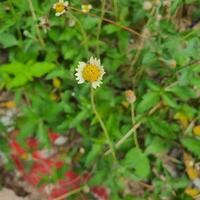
(79, 118)
(161, 127)
(92, 155)
(90, 22)
(8, 40)
(42, 134)
(169, 100)
(138, 161)
(149, 100)
(184, 93)
(157, 146)
(110, 29)
(98, 177)
(17, 81)
(41, 68)
(152, 85)
(192, 145)
(20, 73)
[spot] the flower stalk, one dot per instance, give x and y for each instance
(102, 125)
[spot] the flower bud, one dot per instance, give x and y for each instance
(130, 96)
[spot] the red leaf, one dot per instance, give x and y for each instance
(17, 148)
(100, 193)
(32, 143)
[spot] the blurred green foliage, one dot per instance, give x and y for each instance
(162, 66)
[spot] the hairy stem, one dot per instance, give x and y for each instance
(102, 125)
(99, 26)
(126, 28)
(39, 37)
(133, 122)
(84, 34)
(68, 194)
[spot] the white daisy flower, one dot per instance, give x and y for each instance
(60, 7)
(92, 72)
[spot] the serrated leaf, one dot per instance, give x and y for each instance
(169, 100)
(92, 155)
(152, 85)
(138, 161)
(160, 127)
(8, 40)
(192, 144)
(41, 68)
(42, 134)
(184, 93)
(157, 146)
(148, 101)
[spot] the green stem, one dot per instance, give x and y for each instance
(99, 26)
(84, 34)
(16, 20)
(102, 125)
(132, 113)
(133, 122)
(39, 37)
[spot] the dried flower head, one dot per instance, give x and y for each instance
(44, 23)
(172, 63)
(130, 96)
(147, 5)
(86, 8)
(60, 7)
(92, 72)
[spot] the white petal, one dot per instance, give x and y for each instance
(63, 12)
(54, 5)
(81, 65)
(96, 84)
(92, 61)
(81, 81)
(58, 14)
(66, 3)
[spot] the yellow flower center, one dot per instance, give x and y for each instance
(60, 7)
(91, 73)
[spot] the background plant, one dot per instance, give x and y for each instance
(152, 50)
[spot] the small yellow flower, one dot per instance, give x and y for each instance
(191, 191)
(92, 72)
(183, 118)
(86, 8)
(196, 130)
(9, 104)
(60, 7)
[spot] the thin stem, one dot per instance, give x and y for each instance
(102, 125)
(68, 194)
(133, 122)
(126, 28)
(40, 39)
(133, 113)
(84, 34)
(99, 26)
(133, 129)
(125, 137)
(16, 20)
(137, 55)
